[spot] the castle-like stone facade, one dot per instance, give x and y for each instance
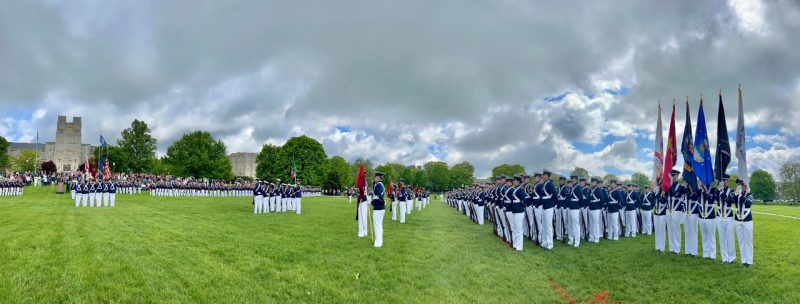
(67, 152)
(244, 164)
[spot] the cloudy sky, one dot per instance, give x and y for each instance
(540, 83)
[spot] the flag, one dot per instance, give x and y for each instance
(86, 167)
(107, 171)
(361, 185)
(99, 165)
(672, 154)
(102, 141)
(687, 149)
(741, 150)
(723, 157)
(701, 159)
(294, 171)
(658, 152)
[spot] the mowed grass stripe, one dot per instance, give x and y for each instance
(215, 250)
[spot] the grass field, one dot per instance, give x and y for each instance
(213, 250)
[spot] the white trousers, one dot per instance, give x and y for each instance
(394, 210)
(630, 227)
(362, 219)
(271, 203)
(377, 225)
(113, 197)
(708, 235)
(744, 232)
(264, 204)
(479, 210)
(297, 205)
(84, 199)
(613, 226)
(531, 221)
(517, 219)
(727, 247)
(547, 228)
(575, 227)
(106, 200)
(674, 230)
(559, 223)
(647, 225)
(409, 206)
(283, 204)
(661, 231)
(257, 204)
(73, 195)
(690, 233)
(91, 199)
(594, 225)
(538, 213)
(403, 212)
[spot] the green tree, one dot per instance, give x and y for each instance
(137, 148)
(508, 170)
(641, 180)
(267, 162)
(732, 181)
(5, 161)
(339, 175)
(608, 177)
(198, 154)
(369, 169)
(462, 173)
(762, 185)
(307, 155)
(790, 176)
(580, 172)
(25, 161)
(158, 166)
(437, 175)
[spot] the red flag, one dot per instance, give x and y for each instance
(86, 168)
(361, 181)
(672, 155)
(389, 191)
(107, 171)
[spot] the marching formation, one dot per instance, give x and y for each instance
(277, 197)
(93, 193)
(400, 195)
(11, 188)
(546, 211)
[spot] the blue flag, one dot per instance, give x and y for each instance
(687, 149)
(102, 141)
(701, 160)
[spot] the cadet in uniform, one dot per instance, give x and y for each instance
(560, 208)
(676, 214)
(574, 212)
(661, 217)
(298, 197)
(630, 211)
(516, 195)
(646, 210)
(378, 209)
(112, 192)
(692, 216)
(744, 221)
(613, 220)
(596, 210)
(548, 203)
(727, 244)
(708, 228)
(401, 198)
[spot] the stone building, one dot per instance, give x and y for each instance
(67, 152)
(243, 163)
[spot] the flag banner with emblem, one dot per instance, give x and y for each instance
(741, 150)
(294, 171)
(102, 141)
(658, 152)
(107, 170)
(672, 154)
(687, 150)
(723, 156)
(701, 159)
(86, 167)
